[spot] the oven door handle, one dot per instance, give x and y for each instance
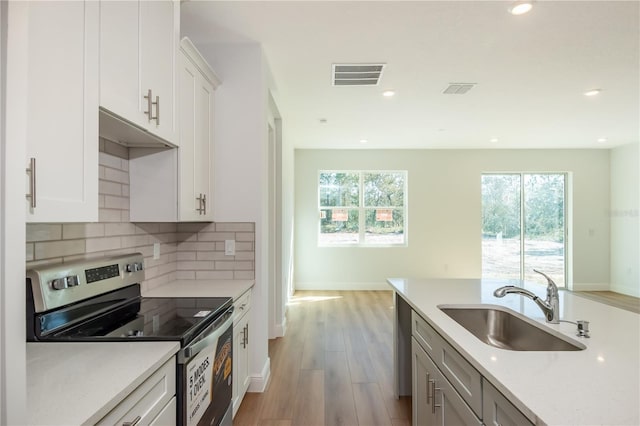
(192, 350)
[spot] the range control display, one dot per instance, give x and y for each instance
(102, 273)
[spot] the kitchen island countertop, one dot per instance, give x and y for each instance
(71, 383)
(598, 385)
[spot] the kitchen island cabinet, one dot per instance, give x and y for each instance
(597, 385)
(62, 112)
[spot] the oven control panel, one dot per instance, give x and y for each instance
(61, 284)
(102, 273)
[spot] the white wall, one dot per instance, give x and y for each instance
(240, 170)
(444, 218)
(13, 397)
(625, 231)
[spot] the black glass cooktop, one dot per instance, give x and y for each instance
(146, 319)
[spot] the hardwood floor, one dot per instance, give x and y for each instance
(333, 367)
(618, 300)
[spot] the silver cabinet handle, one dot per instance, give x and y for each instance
(201, 203)
(32, 182)
(428, 383)
(204, 204)
(157, 117)
(246, 335)
(150, 104)
(433, 396)
(133, 423)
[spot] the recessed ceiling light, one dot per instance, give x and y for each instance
(493, 140)
(363, 141)
(602, 140)
(520, 7)
(388, 93)
(323, 121)
(592, 92)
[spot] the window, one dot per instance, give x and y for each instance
(524, 226)
(364, 208)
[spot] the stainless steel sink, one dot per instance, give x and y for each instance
(505, 329)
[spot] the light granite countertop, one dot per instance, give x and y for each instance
(79, 383)
(599, 385)
(202, 288)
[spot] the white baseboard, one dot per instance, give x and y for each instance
(259, 383)
(635, 292)
(590, 287)
(324, 285)
(278, 331)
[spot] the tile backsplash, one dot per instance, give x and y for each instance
(187, 250)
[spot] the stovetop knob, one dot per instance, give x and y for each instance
(59, 283)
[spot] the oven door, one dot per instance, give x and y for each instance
(204, 375)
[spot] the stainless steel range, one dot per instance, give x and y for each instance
(99, 300)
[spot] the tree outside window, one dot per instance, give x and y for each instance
(364, 208)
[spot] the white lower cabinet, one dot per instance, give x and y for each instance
(167, 416)
(149, 403)
(241, 323)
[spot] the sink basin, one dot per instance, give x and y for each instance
(505, 329)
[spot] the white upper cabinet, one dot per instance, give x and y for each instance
(195, 173)
(138, 58)
(176, 185)
(62, 111)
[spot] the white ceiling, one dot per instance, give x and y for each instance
(531, 70)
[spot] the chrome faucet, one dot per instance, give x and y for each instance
(550, 306)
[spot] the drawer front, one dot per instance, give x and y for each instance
(148, 399)
(241, 306)
(424, 334)
(498, 410)
(464, 378)
(448, 406)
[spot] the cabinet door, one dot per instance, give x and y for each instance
(167, 416)
(120, 90)
(240, 361)
(497, 410)
(62, 113)
(435, 401)
(159, 37)
(196, 144)
(138, 51)
(422, 374)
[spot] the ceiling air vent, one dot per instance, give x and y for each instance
(458, 88)
(356, 74)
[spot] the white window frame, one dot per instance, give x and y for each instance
(362, 209)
